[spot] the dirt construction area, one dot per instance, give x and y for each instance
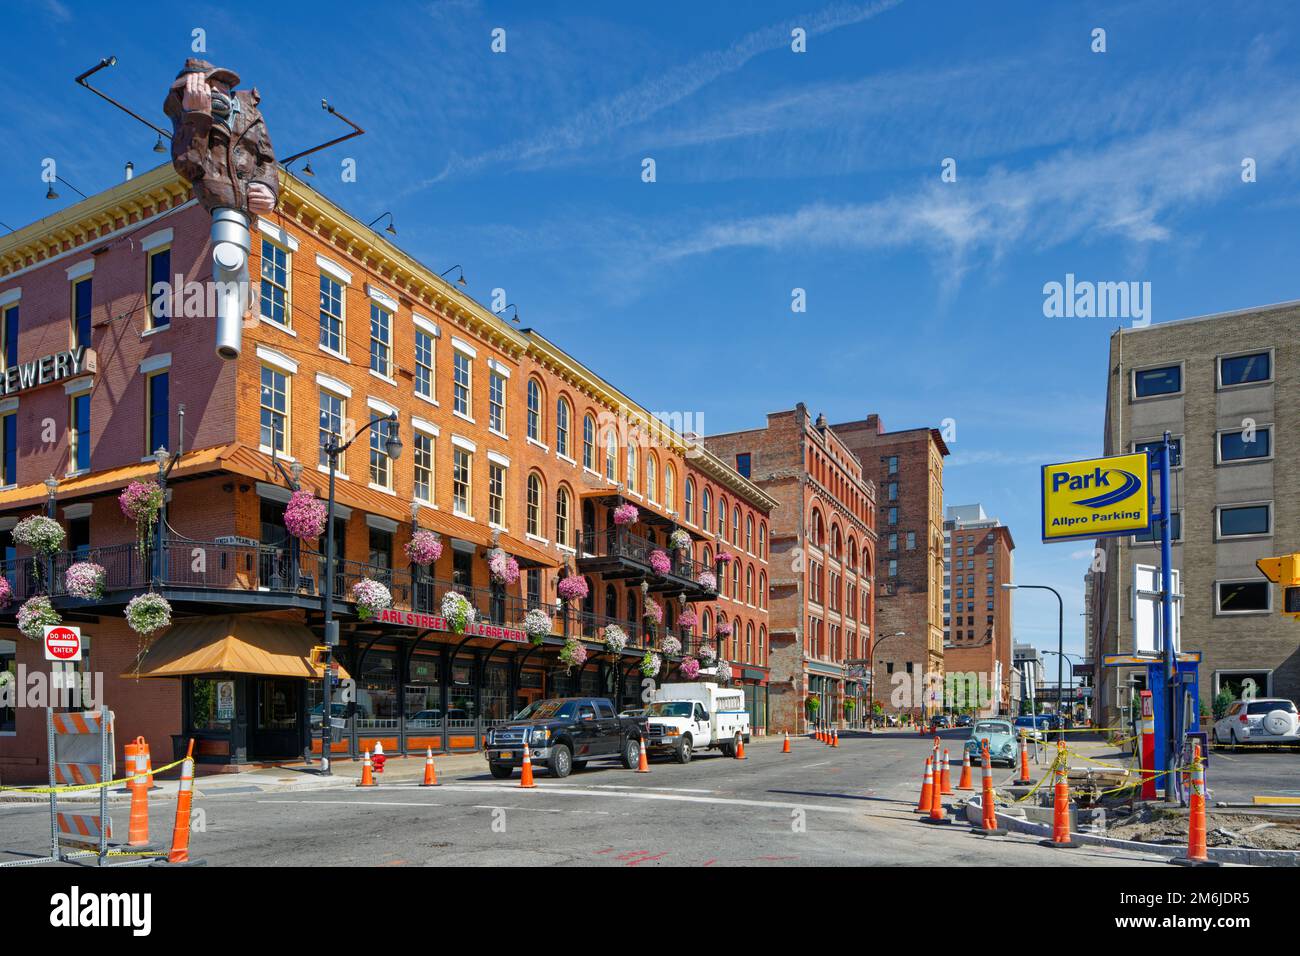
(1155, 824)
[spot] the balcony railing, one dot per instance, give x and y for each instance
(615, 542)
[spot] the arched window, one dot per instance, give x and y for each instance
(611, 602)
(706, 625)
(762, 540)
(562, 428)
(722, 518)
(611, 456)
(589, 442)
(535, 505)
(704, 510)
(749, 586)
(735, 639)
(762, 646)
(762, 589)
(749, 642)
(688, 503)
(735, 526)
(837, 544)
(735, 580)
(651, 478)
(562, 535)
(534, 409)
(631, 465)
(818, 530)
(853, 554)
(670, 487)
(749, 533)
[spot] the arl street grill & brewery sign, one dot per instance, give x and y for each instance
(1097, 497)
(436, 622)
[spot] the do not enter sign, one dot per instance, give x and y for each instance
(62, 643)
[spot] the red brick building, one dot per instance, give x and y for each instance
(907, 468)
(977, 624)
(507, 442)
(822, 566)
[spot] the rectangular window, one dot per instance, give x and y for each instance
(893, 491)
(9, 667)
(275, 409)
(911, 540)
(892, 462)
(9, 433)
(893, 542)
(331, 426)
(381, 351)
(331, 315)
(1244, 597)
(381, 548)
(1151, 447)
(1245, 445)
(423, 456)
(158, 414)
(160, 288)
(423, 363)
(497, 495)
(893, 516)
(1243, 369)
(893, 568)
(1158, 381)
(460, 481)
(381, 466)
(275, 284)
(11, 336)
(1237, 520)
(461, 380)
(79, 433)
(81, 294)
(1153, 533)
(497, 402)
(742, 463)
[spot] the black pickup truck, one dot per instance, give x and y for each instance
(563, 733)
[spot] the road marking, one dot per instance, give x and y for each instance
(632, 786)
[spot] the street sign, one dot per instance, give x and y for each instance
(1096, 497)
(62, 643)
(1147, 610)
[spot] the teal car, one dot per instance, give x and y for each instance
(1003, 742)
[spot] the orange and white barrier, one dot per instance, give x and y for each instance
(1024, 777)
(430, 773)
(1061, 806)
(785, 747)
(642, 763)
(945, 775)
(927, 787)
(526, 774)
(988, 800)
(965, 782)
(180, 851)
(740, 748)
(367, 772)
(1197, 853)
(138, 831)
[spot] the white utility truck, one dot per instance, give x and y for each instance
(683, 718)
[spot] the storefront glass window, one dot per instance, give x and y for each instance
(496, 694)
(463, 711)
(212, 704)
(377, 701)
(8, 685)
(423, 695)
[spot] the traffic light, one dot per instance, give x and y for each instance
(1284, 570)
(318, 657)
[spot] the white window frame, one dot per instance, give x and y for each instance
(1218, 522)
(1219, 612)
(1218, 369)
(1261, 426)
(1132, 381)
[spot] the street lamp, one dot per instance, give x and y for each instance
(1060, 639)
(871, 703)
(393, 448)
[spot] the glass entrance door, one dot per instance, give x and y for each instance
(277, 719)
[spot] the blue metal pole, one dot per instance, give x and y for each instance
(1167, 625)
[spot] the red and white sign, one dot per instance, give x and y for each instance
(436, 622)
(62, 643)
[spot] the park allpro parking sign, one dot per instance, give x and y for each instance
(1097, 497)
(62, 643)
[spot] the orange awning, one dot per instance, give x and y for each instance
(232, 644)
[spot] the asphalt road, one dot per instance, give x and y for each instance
(817, 806)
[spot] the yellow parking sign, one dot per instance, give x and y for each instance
(1097, 497)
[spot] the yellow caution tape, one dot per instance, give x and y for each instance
(92, 786)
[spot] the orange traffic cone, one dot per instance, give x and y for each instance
(526, 773)
(642, 764)
(927, 785)
(1197, 854)
(367, 772)
(180, 851)
(143, 746)
(1060, 807)
(1024, 779)
(139, 828)
(430, 774)
(835, 737)
(988, 801)
(965, 783)
(785, 748)
(740, 748)
(936, 814)
(945, 776)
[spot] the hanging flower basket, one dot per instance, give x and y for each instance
(725, 557)
(708, 581)
(724, 629)
(670, 645)
(537, 624)
(85, 580)
(660, 563)
(141, 502)
(687, 620)
(690, 668)
(503, 568)
(573, 654)
(573, 588)
(724, 672)
(43, 535)
(459, 613)
(147, 613)
(35, 614)
(707, 653)
(6, 593)
(814, 705)
(424, 548)
(679, 540)
(626, 514)
(654, 611)
(304, 516)
(651, 663)
(371, 598)
(615, 638)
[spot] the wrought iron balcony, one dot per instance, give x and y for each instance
(618, 553)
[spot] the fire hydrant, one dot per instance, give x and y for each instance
(378, 758)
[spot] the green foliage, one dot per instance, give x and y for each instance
(1222, 701)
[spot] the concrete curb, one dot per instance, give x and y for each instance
(1244, 856)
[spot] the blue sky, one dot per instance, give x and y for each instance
(775, 170)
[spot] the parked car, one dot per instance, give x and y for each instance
(1268, 720)
(1035, 726)
(965, 720)
(684, 718)
(563, 734)
(1003, 738)
(939, 721)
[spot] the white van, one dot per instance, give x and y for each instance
(683, 718)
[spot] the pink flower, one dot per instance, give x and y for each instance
(688, 620)
(504, 568)
(724, 629)
(140, 500)
(724, 557)
(304, 516)
(708, 580)
(654, 611)
(573, 588)
(626, 514)
(424, 548)
(660, 563)
(690, 668)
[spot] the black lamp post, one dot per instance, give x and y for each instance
(1060, 644)
(393, 448)
(871, 703)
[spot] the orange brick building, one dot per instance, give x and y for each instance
(507, 442)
